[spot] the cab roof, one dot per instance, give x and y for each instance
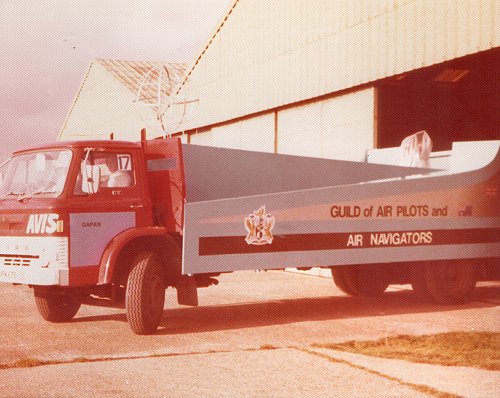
(111, 144)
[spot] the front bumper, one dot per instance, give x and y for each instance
(39, 277)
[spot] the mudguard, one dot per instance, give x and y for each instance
(116, 245)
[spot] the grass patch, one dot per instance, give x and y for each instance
(472, 349)
(417, 387)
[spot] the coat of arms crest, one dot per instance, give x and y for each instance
(259, 226)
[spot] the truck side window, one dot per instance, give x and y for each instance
(115, 170)
(120, 170)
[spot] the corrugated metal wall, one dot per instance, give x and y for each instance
(255, 134)
(271, 53)
(341, 128)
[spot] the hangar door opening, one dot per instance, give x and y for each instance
(453, 101)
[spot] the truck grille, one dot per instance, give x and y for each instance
(16, 260)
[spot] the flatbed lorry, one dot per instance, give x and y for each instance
(116, 223)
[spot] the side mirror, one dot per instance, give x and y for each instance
(91, 176)
(3, 171)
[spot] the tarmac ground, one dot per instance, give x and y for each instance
(253, 335)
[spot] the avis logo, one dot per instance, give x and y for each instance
(44, 224)
(259, 226)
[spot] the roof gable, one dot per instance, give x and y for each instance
(151, 82)
(122, 97)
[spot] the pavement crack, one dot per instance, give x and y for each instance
(431, 391)
(35, 362)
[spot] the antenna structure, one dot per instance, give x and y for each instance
(153, 91)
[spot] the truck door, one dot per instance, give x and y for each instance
(107, 199)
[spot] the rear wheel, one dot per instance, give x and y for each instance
(360, 280)
(340, 281)
(145, 293)
(56, 306)
(450, 282)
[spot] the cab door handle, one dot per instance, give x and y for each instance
(136, 205)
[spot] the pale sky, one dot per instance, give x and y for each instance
(46, 47)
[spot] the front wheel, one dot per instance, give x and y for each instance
(360, 280)
(56, 306)
(145, 293)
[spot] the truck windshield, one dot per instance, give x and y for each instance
(35, 173)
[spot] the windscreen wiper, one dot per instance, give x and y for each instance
(24, 197)
(10, 193)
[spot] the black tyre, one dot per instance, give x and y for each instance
(56, 306)
(450, 282)
(363, 281)
(340, 281)
(145, 293)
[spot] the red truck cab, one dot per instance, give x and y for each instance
(75, 215)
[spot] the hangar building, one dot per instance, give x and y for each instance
(325, 78)
(337, 78)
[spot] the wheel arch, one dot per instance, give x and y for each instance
(116, 259)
